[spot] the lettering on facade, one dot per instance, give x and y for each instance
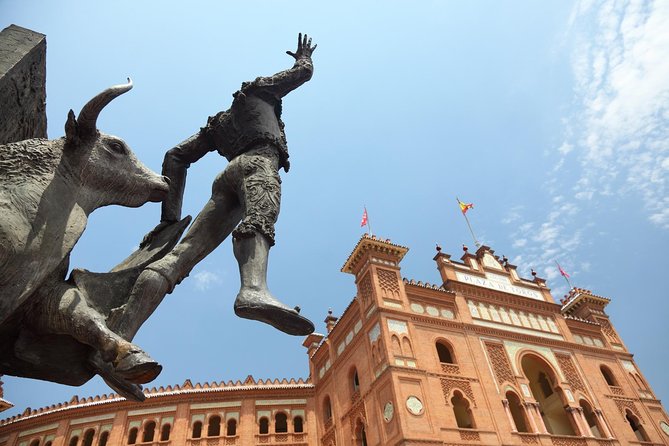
(498, 285)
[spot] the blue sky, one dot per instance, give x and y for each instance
(552, 117)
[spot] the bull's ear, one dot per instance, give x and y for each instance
(71, 128)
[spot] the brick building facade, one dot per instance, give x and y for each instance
(484, 358)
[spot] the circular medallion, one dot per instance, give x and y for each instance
(414, 405)
(388, 411)
(665, 427)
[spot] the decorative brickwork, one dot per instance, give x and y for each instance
(449, 384)
(570, 373)
(329, 439)
(528, 439)
(366, 288)
(357, 412)
(469, 435)
(624, 404)
(617, 390)
(608, 330)
(568, 441)
(450, 369)
(389, 283)
(500, 363)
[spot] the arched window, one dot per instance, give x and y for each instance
(88, 438)
(263, 424)
(327, 410)
(34, 442)
(197, 429)
(280, 423)
(608, 376)
(591, 418)
(360, 434)
(74, 441)
(463, 414)
(445, 354)
(517, 412)
(639, 381)
(355, 381)
(165, 432)
(232, 427)
(132, 436)
(406, 347)
(104, 438)
(639, 431)
(214, 427)
(543, 384)
(395, 346)
(298, 425)
(48, 443)
(149, 432)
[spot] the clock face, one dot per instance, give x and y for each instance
(388, 411)
(665, 427)
(414, 405)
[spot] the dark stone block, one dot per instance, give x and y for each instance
(22, 84)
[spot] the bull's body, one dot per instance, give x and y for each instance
(52, 328)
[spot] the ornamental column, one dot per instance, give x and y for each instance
(505, 403)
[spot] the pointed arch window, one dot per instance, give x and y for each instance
(75, 440)
(149, 432)
(104, 438)
(591, 419)
(638, 430)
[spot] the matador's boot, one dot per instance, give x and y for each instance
(254, 300)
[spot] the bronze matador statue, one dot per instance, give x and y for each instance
(245, 202)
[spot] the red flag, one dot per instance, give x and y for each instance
(363, 222)
(563, 272)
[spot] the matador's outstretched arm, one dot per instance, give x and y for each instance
(286, 81)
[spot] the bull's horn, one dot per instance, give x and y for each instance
(90, 111)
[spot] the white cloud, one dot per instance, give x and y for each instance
(204, 280)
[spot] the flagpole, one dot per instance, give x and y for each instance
(563, 275)
(464, 214)
(369, 227)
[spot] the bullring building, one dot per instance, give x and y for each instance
(484, 357)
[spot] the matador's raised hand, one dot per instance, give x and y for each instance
(304, 48)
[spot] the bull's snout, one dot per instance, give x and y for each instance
(160, 189)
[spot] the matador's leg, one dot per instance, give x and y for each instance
(259, 189)
(211, 227)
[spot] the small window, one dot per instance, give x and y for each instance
(280, 423)
(327, 409)
(214, 428)
(132, 436)
(74, 441)
(608, 376)
(298, 425)
(517, 412)
(263, 426)
(232, 427)
(545, 385)
(361, 435)
(165, 432)
(445, 354)
(104, 438)
(149, 432)
(356, 381)
(48, 443)
(197, 429)
(591, 418)
(88, 438)
(34, 443)
(638, 430)
(463, 415)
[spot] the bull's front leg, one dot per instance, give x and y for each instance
(67, 311)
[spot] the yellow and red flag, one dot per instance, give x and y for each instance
(464, 207)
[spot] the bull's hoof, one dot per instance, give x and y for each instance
(261, 306)
(137, 367)
(121, 386)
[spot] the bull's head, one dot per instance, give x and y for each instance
(105, 165)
